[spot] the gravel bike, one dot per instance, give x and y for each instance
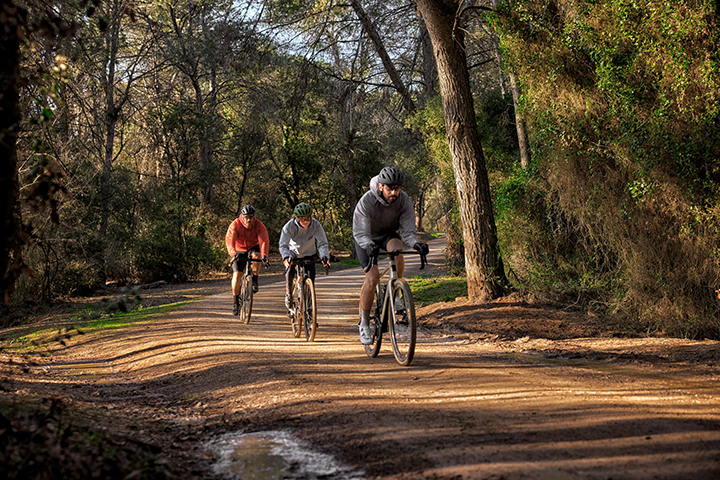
(303, 314)
(246, 290)
(394, 311)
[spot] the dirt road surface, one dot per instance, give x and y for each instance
(471, 405)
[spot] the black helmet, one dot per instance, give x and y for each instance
(247, 210)
(302, 210)
(391, 176)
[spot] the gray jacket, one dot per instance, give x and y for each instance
(301, 241)
(374, 217)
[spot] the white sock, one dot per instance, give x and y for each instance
(364, 317)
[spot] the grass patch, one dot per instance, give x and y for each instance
(38, 337)
(437, 289)
(350, 262)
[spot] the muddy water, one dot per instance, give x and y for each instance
(272, 455)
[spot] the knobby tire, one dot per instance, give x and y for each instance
(403, 324)
(373, 349)
(309, 310)
(246, 298)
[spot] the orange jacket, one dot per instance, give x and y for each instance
(241, 239)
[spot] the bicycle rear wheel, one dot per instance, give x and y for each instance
(296, 313)
(309, 310)
(246, 297)
(403, 325)
(373, 348)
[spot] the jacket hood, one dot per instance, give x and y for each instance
(375, 189)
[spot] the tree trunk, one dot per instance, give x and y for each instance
(429, 68)
(345, 95)
(485, 272)
(10, 248)
(112, 111)
(420, 212)
(520, 125)
(392, 72)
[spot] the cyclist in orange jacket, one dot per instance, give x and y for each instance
(246, 237)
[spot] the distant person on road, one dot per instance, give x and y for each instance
(383, 211)
(246, 238)
(298, 240)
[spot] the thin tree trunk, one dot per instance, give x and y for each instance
(520, 124)
(392, 72)
(111, 119)
(348, 130)
(483, 265)
(420, 212)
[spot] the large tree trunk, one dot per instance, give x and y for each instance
(429, 68)
(483, 265)
(10, 253)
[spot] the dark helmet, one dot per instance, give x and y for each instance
(302, 210)
(247, 210)
(391, 176)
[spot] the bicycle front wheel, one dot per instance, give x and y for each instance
(403, 325)
(373, 348)
(309, 310)
(246, 297)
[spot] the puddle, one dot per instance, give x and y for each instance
(272, 455)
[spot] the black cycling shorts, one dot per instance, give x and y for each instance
(239, 266)
(380, 242)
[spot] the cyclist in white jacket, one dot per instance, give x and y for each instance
(297, 241)
(383, 211)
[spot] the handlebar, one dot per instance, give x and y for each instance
(249, 260)
(301, 262)
(393, 254)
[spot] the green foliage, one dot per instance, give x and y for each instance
(623, 104)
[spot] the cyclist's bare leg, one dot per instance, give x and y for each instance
(256, 265)
(396, 244)
(367, 292)
(236, 282)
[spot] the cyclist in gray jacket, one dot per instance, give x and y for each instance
(383, 211)
(297, 241)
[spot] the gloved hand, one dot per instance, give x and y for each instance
(422, 247)
(287, 262)
(372, 250)
(325, 261)
(265, 260)
(235, 257)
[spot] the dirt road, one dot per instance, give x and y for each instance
(467, 408)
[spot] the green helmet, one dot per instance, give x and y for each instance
(302, 210)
